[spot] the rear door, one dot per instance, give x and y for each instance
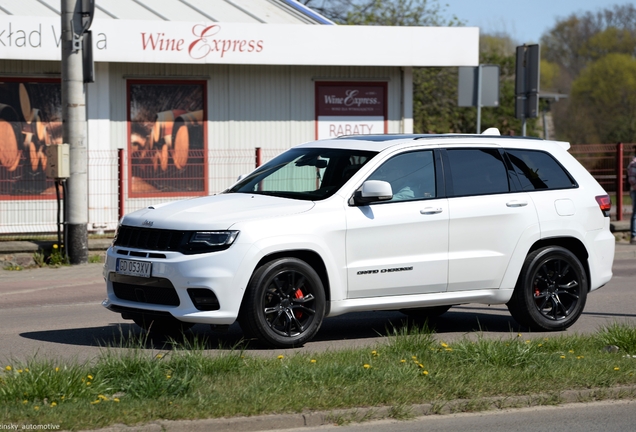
(488, 219)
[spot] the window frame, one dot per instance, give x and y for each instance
(450, 189)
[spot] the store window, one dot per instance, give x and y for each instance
(30, 121)
(167, 138)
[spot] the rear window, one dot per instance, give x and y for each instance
(537, 170)
(477, 172)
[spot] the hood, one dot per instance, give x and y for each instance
(217, 212)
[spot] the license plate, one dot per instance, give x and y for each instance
(133, 268)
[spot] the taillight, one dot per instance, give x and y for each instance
(605, 204)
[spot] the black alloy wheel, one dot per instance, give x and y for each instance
(551, 291)
(284, 304)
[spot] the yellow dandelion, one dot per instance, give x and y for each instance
(617, 368)
(53, 404)
(102, 397)
(444, 345)
(24, 402)
(448, 349)
(63, 397)
(562, 356)
(579, 357)
(540, 345)
(571, 351)
(90, 377)
(280, 357)
(168, 376)
(518, 334)
(374, 353)
(420, 365)
(312, 361)
(424, 372)
(57, 369)
(527, 341)
(36, 408)
(19, 371)
(95, 402)
(414, 357)
(366, 366)
(9, 368)
(88, 383)
(26, 369)
(402, 361)
(55, 246)
(159, 356)
(115, 399)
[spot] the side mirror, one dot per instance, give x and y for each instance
(371, 191)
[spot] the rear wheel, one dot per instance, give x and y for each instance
(551, 291)
(284, 303)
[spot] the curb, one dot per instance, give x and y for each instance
(359, 415)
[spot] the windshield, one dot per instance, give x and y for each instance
(304, 173)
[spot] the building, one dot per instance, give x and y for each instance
(184, 92)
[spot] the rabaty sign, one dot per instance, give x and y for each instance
(39, 38)
(348, 108)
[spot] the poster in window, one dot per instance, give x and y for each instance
(30, 121)
(167, 138)
(350, 108)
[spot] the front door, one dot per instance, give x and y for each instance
(400, 247)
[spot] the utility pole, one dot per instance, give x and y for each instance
(74, 132)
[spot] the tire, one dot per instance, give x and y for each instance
(284, 304)
(551, 290)
(426, 312)
(162, 326)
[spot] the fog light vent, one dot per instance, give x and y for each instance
(204, 299)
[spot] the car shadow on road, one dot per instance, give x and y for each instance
(354, 326)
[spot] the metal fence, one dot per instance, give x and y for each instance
(120, 183)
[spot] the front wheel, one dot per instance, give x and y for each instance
(551, 291)
(284, 303)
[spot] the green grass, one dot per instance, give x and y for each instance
(131, 384)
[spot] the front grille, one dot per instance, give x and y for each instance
(148, 238)
(144, 290)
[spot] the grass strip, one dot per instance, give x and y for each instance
(412, 366)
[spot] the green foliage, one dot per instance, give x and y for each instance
(585, 48)
(605, 94)
(621, 335)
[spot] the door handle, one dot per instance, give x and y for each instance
(516, 203)
(431, 210)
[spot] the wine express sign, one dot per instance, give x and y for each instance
(40, 38)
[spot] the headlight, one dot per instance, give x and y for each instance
(209, 241)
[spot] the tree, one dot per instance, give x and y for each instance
(379, 12)
(573, 54)
(604, 95)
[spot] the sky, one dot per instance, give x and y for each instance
(524, 20)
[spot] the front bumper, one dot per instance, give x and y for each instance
(173, 281)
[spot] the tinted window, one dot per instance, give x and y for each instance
(477, 172)
(539, 170)
(411, 175)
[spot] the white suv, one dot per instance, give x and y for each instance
(415, 223)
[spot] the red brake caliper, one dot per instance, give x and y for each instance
(298, 294)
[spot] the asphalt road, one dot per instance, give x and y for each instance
(57, 313)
